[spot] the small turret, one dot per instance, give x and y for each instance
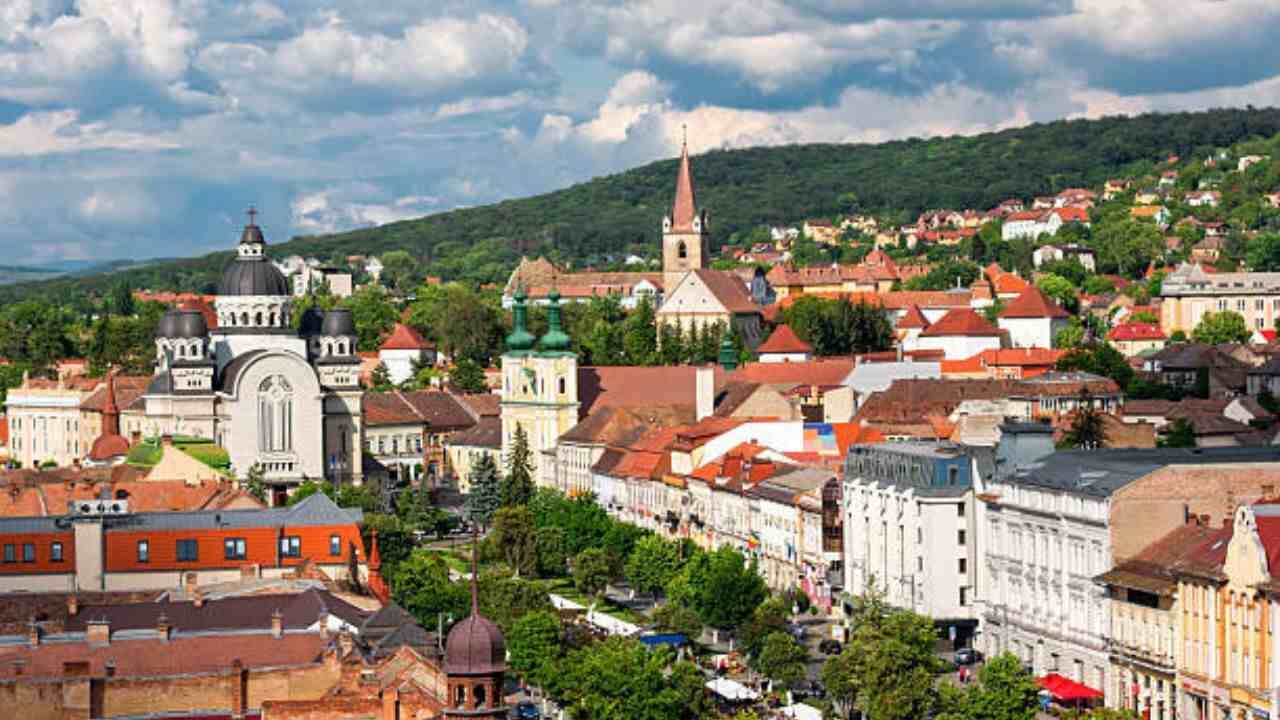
(556, 340)
(520, 339)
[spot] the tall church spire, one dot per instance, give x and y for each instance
(685, 207)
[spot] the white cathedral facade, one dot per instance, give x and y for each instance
(287, 401)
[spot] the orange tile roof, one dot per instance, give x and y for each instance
(784, 340)
(961, 322)
(1003, 357)
(1136, 331)
(913, 318)
(1033, 303)
(403, 337)
(831, 371)
(1008, 283)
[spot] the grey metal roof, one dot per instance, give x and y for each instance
(253, 276)
(874, 377)
(317, 509)
(1013, 427)
(1099, 473)
(10, 525)
(233, 369)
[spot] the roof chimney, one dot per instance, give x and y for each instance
(277, 624)
(1268, 491)
(33, 633)
(73, 605)
(705, 391)
(162, 627)
(197, 598)
(190, 581)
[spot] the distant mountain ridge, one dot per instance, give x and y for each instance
(618, 214)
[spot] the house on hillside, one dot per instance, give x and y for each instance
(961, 333)
(1033, 320)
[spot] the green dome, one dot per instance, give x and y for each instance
(556, 340)
(520, 339)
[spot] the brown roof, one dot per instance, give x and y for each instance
(430, 407)
(152, 656)
(50, 609)
(784, 340)
(621, 426)
(728, 289)
(826, 372)
(486, 433)
(631, 385)
(482, 404)
(961, 321)
(246, 612)
(1032, 303)
(1152, 569)
(127, 389)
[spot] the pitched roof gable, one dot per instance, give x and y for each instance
(403, 337)
(784, 340)
(961, 322)
(1033, 303)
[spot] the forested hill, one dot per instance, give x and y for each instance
(622, 213)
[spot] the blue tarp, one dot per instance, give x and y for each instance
(674, 639)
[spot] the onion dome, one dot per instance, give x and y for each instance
(251, 273)
(168, 325)
(191, 324)
(312, 322)
(520, 338)
(338, 322)
(556, 339)
(475, 645)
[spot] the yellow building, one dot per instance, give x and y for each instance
(1189, 293)
(1144, 624)
(539, 387)
(1226, 620)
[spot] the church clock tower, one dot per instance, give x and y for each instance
(685, 236)
(539, 386)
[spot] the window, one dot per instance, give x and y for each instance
(144, 551)
(28, 552)
(682, 251)
(291, 546)
(964, 595)
(55, 552)
(233, 549)
(275, 415)
(395, 444)
(188, 551)
(561, 386)
(10, 554)
(953, 474)
(960, 537)
(960, 510)
(335, 545)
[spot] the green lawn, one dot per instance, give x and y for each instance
(147, 453)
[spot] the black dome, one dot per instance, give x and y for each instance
(312, 319)
(253, 276)
(168, 325)
(338, 322)
(252, 234)
(191, 324)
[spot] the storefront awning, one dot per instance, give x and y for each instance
(1066, 690)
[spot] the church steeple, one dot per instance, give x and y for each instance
(685, 240)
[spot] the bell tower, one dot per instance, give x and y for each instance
(685, 236)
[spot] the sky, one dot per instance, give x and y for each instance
(144, 128)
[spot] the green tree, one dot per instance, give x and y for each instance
(422, 586)
(721, 586)
(552, 556)
(1263, 253)
(591, 571)
(395, 541)
(1060, 290)
(463, 322)
(888, 665)
(640, 335)
(674, 617)
(373, 314)
(1087, 430)
(1099, 359)
(505, 599)
(652, 564)
(1126, 246)
(486, 493)
(534, 646)
(399, 270)
(515, 535)
(945, 275)
(1005, 691)
(1181, 434)
(781, 659)
(255, 482)
(769, 618)
(517, 486)
(467, 376)
(619, 679)
(1221, 327)
(121, 298)
(380, 379)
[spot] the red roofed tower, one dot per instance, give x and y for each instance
(685, 240)
(377, 586)
(110, 445)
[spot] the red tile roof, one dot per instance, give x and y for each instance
(913, 318)
(827, 372)
(685, 206)
(1072, 214)
(1033, 303)
(1008, 283)
(728, 289)
(1136, 331)
(784, 340)
(1022, 357)
(961, 322)
(403, 337)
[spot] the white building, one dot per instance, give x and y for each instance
(909, 529)
(961, 333)
(404, 352)
(1033, 320)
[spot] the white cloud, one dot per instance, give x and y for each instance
(60, 132)
(118, 204)
(341, 208)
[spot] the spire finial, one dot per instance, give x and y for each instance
(475, 572)
(684, 135)
(252, 212)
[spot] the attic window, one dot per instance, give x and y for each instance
(682, 251)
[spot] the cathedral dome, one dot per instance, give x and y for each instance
(475, 647)
(191, 324)
(168, 325)
(338, 322)
(312, 320)
(253, 276)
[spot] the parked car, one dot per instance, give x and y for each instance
(526, 710)
(796, 630)
(808, 689)
(968, 656)
(830, 647)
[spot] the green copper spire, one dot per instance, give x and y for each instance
(520, 338)
(556, 340)
(728, 354)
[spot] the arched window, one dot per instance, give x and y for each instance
(244, 318)
(682, 251)
(561, 386)
(257, 319)
(275, 415)
(459, 696)
(478, 692)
